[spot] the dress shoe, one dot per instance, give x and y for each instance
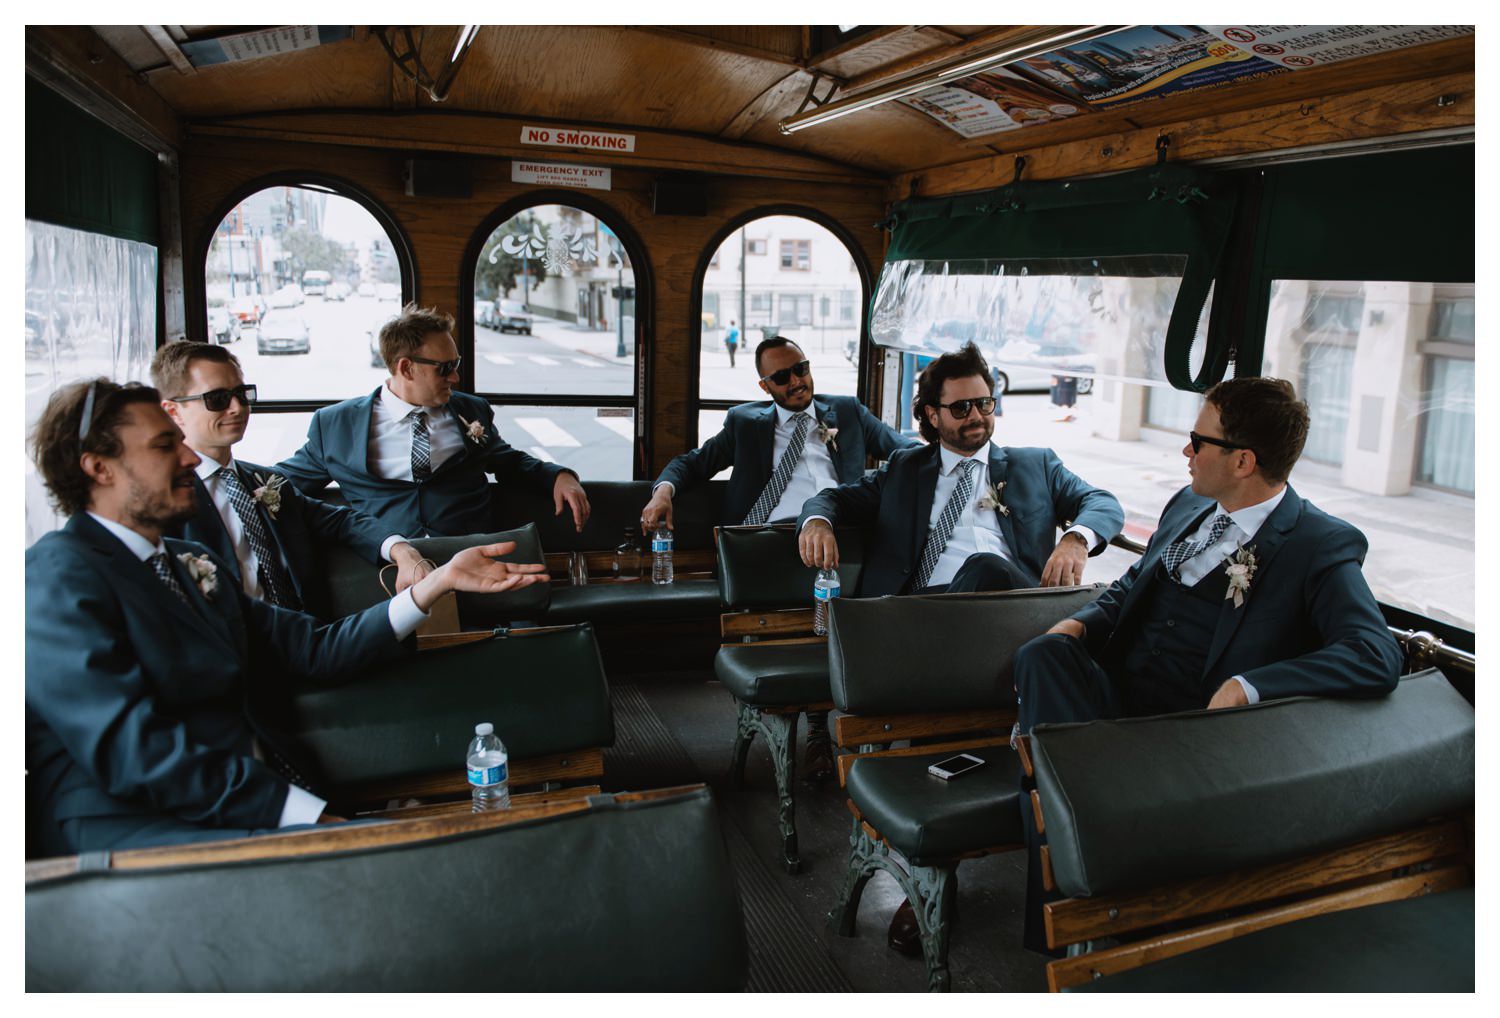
(904, 935)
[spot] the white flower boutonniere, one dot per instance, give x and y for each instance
(203, 571)
(473, 430)
(1240, 570)
(828, 436)
(991, 499)
(268, 494)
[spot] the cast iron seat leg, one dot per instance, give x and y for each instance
(862, 866)
(744, 734)
(781, 739)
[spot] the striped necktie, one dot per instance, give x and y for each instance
(937, 537)
(421, 446)
(1178, 553)
(274, 579)
(163, 570)
(770, 496)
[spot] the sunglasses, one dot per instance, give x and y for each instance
(444, 368)
(93, 407)
(800, 369)
(218, 399)
(960, 408)
(1198, 441)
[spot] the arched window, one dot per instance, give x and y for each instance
(556, 337)
(298, 280)
(783, 275)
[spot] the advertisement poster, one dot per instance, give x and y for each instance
(1299, 46)
(990, 102)
(1145, 62)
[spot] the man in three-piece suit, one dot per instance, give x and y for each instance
(960, 514)
(265, 529)
(1246, 592)
(415, 452)
(783, 450)
(147, 666)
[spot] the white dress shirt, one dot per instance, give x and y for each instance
(390, 436)
(209, 474)
(301, 806)
(1243, 526)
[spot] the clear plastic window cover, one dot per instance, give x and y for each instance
(90, 311)
(1100, 318)
(1387, 370)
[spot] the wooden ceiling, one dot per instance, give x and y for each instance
(728, 84)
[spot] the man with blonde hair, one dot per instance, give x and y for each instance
(415, 452)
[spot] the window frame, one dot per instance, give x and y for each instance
(801, 251)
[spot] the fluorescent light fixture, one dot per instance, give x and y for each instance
(924, 80)
(464, 38)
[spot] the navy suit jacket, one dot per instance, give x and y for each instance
(301, 526)
(453, 502)
(747, 443)
(896, 501)
(141, 708)
(1309, 624)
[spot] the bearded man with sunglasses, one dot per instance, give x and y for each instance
(415, 452)
(266, 529)
(960, 514)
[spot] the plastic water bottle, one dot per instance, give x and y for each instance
(489, 770)
(825, 589)
(661, 554)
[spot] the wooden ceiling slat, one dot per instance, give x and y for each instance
(169, 48)
(722, 40)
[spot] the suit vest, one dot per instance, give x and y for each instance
(1163, 667)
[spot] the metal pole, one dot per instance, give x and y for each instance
(229, 239)
(744, 322)
(619, 306)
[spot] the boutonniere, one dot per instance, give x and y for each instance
(991, 499)
(473, 430)
(203, 571)
(828, 436)
(1240, 570)
(268, 495)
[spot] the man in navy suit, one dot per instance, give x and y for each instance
(265, 529)
(146, 666)
(960, 514)
(1246, 592)
(783, 450)
(415, 452)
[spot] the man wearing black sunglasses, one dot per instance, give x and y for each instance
(266, 529)
(1246, 592)
(961, 514)
(415, 452)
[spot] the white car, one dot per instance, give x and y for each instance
(289, 296)
(366, 289)
(223, 326)
(282, 331)
(514, 316)
(388, 291)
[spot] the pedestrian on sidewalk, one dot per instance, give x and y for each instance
(732, 341)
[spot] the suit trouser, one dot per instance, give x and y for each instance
(1057, 680)
(117, 834)
(984, 570)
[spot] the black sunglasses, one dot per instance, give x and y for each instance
(800, 369)
(960, 408)
(93, 406)
(218, 399)
(1198, 441)
(444, 368)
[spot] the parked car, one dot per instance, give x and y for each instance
(336, 291)
(289, 296)
(282, 331)
(388, 291)
(514, 317)
(484, 313)
(366, 289)
(247, 309)
(223, 326)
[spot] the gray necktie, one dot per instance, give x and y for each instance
(1179, 552)
(163, 570)
(421, 446)
(274, 579)
(937, 537)
(770, 496)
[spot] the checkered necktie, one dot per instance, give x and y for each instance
(937, 537)
(274, 579)
(163, 570)
(421, 446)
(1179, 552)
(770, 496)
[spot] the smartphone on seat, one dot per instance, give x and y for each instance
(952, 767)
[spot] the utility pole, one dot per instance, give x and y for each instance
(744, 321)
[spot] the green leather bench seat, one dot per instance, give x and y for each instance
(632, 896)
(929, 820)
(614, 506)
(634, 602)
(545, 694)
(1145, 801)
(776, 675)
(1419, 945)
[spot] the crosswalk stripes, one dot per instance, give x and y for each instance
(498, 358)
(546, 362)
(587, 362)
(547, 432)
(622, 426)
(542, 454)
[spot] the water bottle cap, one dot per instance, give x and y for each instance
(484, 728)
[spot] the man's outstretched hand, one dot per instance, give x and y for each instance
(477, 571)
